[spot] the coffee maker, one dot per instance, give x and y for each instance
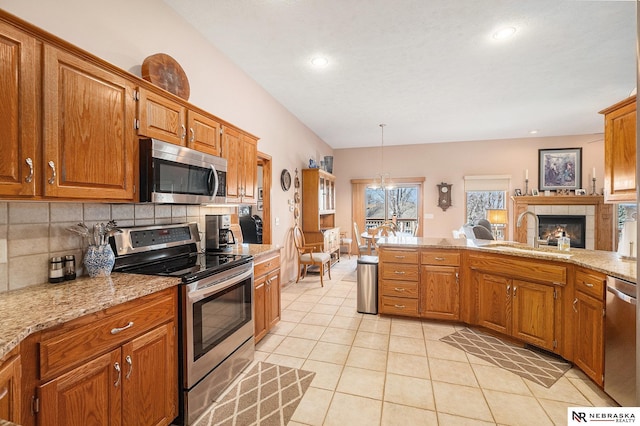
(218, 234)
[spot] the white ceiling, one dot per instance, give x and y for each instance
(430, 69)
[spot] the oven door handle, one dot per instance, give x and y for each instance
(197, 295)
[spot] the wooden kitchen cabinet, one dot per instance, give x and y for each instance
(10, 389)
(620, 151)
(18, 128)
(440, 284)
(114, 368)
(398, 278)
(318, 210)
(241, 152)
(162, 118)
(588, 323)
(89, 138)
(266, 294)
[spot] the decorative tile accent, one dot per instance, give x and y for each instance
(268, 394)
(526, 363)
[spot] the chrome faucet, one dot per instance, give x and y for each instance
(536, 225)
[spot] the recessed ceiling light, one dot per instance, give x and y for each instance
(533, 132)
(319, 61)
(504, 33)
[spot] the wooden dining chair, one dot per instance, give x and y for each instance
(362, 247)
(345, 242)
(310, 254)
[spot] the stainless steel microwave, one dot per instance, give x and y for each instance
(178, 175)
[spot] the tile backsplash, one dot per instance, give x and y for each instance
(32, 232)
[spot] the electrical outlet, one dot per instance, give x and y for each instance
(291, 208)
(277, 221)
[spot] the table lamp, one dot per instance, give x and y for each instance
(498, 219)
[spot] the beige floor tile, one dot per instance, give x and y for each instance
(327, 374)
(350, 302)
(407, 345)
(261, 356)
(516, 409)
(291, 315)
(496, 378)
(562, 390)
(593, 393)
(269, 342)
(458, 373)
(437, 349)
(436, 330)
(574, 373)
(370, 359)
(317, 319)
(409, 391)
(313, 407)
(556, 410)
(283, 328)
(351, 323)
(353, 411)
(402, 415)
(289, 296)
(361, 382)
(375, 325)
(328, 300)
(348, 311)
(325, 309)
(285, 360)
(445, 419)
(408, 365)
(365, 339)
(330, 352)
(338, 292)
(341, 336)
(296, 305)
(308, 331)
(461, 401)
(309, 298)
(407, 328)
(294, 346)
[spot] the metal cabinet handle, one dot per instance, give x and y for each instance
(29, 162)
(193, 134)
(515, 290)
(508, 289)
(399, 306)
(574, 305)
(184, 131)
(457, 278)
(399, 272)
(119, 329)
(587, 284)
(52, 180)
(117, 368)
(4, 392)
(400, 289)
(400, 257)
(130, 363)
(439, 258)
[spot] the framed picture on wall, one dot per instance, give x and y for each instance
(559, 169)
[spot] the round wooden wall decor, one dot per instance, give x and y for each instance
(166, 73)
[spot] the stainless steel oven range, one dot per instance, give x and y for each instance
(216, 307)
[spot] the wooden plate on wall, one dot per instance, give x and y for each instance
(165, 72)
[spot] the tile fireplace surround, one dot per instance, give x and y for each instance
(566, 210)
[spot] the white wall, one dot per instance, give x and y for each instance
(125, 32)
(450, 162)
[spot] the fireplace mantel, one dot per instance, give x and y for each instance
(604, 238)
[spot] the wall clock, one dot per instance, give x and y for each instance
(444, 195)
(285, 180)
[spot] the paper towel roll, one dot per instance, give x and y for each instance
(627, 246)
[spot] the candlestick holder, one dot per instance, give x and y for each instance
(593, 187)
(526, 187)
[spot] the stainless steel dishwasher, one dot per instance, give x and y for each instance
(620, 342)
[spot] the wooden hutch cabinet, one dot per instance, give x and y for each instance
(319, 210)
(620, 151)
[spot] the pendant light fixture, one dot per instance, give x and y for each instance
(382, 180)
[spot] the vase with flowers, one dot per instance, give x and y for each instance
(99, 257)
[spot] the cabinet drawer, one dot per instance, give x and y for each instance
(399, 306)
(399, 271)
(522, 269)
(399, 256)
(80, 340)
(266, 265)
(590, 282)
(445, 258)
(399, 289)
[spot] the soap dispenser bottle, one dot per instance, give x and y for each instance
(564, 242)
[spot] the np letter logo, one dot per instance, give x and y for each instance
(579, 417)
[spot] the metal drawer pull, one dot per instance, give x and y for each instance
(574, 305)
(398, 272)
(439, 258)
(29, 178)
(117, 367)
(400, 257)
(515, 290)
(400, 289)
(184, 132)
(4, 392)
(128, 361)
(508, 289)
(119, 329)
(587, 284)
(399, 306)
(52, 180)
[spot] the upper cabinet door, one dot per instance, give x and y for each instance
(19, 163)
(88, 130)
(161, 118)
(204, 133)
(620, 151)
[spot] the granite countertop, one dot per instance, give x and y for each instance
(255, 250)
(607, 262)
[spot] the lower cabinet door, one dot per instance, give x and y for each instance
(10, 373)
(259, 308)
(149, 378)
(439, 292)
(494, 294)
(273, 299)
(89, 394)
(588, 334)
(533, 313)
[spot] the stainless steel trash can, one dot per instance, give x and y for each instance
(367, 290)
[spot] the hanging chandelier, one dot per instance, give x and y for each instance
(382, 180)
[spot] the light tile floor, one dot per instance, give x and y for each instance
(379, 370)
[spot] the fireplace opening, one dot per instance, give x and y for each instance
(552, 226)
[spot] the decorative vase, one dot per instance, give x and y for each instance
(99, 260)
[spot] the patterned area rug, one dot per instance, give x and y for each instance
(267, 395)
(539, 368)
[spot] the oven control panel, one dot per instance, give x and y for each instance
(154, 237)
(146, 238)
